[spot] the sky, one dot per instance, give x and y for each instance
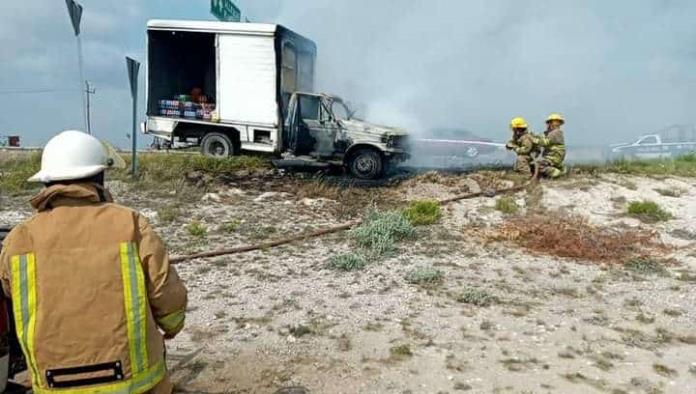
(614, 70)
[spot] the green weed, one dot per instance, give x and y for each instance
(425, 276)
(168, 213)
(161, 167)
(401, 351)
(506, 205)
(681, 166)
(646, 266)
(423, 212)
(664, 370)
(648, 212)
(231, 226)
(673, 192)
(476, 297)
(196, 229)
(15, 171)
(380, 231)
(347, 262)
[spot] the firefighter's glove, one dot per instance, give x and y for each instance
(172, 323)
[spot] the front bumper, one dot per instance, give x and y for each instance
(397, 155)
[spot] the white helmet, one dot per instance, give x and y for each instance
(71, 155)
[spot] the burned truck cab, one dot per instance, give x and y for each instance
(323, 127)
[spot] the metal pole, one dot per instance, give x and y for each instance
(133, 66)
(80, 66)
(89, 92)
(75, 13)
(134, 133)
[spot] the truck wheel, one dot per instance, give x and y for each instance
(366, 164)
(217, 145)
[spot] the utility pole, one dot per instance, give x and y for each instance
(75, 12)
(89, 92)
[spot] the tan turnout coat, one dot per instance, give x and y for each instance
(91, 288)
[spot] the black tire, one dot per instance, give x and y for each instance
(217, 145)
(366, 164)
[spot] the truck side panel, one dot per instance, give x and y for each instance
(246, 90)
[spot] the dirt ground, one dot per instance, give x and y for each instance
(536, 323)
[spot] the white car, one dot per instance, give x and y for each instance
(651, 146)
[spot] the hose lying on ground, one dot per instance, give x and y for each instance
(266, 245)
(341, 227)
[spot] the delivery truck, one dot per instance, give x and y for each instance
(229, 87)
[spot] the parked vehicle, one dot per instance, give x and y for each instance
(651, 146)
(9, 141)
(322, 128)
(244, 81)
(242, 74)
(455, 143)
(11, 357)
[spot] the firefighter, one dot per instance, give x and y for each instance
(93, 293)
(553, 143)
(522, 143)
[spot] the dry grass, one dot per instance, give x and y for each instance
(14, 171)
(319, 189)
(425, 276)
(575, 237)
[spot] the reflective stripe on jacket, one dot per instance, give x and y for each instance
(554, 146)
(90, 283)
(523, 144)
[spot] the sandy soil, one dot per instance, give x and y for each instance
(278, 317)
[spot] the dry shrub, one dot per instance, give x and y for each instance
(318, 189)
(434, 177)
(575, 237)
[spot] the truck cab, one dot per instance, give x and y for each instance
(322, 127)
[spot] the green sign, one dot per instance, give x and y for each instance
(225, 10)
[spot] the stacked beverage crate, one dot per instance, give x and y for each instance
(169, 108)
(184, 107)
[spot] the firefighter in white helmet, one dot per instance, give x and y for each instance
(92, 289)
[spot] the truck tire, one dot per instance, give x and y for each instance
(217, 145)
(366, 164)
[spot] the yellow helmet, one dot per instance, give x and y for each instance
(555, 116)
(518, 123)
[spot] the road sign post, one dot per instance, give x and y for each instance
(225, 10)
(75, 13)
(133, 68)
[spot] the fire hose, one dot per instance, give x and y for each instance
(348, 225)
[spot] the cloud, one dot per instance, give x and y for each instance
(614, 71)
(475, 64)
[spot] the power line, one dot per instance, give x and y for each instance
(36, 91)
(58, 90)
